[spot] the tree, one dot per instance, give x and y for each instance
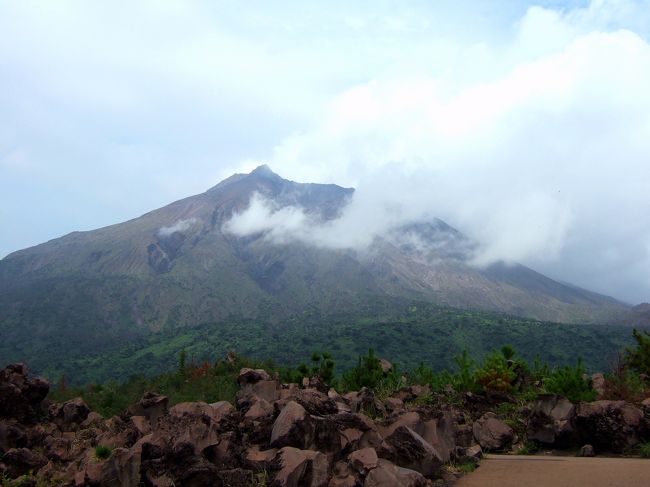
(182, 359)
(638, 358)
(367, 373)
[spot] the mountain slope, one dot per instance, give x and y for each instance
(176, 267)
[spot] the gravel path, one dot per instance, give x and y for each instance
(539, 471)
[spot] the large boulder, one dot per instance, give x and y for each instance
(259, 410)
(200, 474)
(259, 460)
(252, 376)
(364, 460)
(121, 469)
(365, 401)
(407, 449)
(251, 393)
(57, 448)
(316, 402)
(410, 419)
(12, 435)
(293, 427)
(300, 468)
(327, 438)
(609, 425)
(19, 461)
(152, 406)
(343, 475)
(356, 431)
(21, 394)
(117, 432)
(492, 433)
(70, 415)
(199, 410)
(439, 431)
(552, 421)
(387, 474)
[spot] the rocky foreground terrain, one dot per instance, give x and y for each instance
(288, 435)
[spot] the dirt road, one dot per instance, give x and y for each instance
(539, 471)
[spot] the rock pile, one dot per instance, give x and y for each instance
(284, 435)
(611, 426)
(290, 435)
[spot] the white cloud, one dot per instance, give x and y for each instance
(179, 226)
(544, 163)
(261, 217)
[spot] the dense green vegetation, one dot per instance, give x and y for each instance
(638, 358)
(502, 370)
(407, 334)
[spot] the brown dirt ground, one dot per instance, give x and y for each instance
(539, 471)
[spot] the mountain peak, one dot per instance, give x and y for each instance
(264, 171)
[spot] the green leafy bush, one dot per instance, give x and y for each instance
(638, 358)
(323, 366)
(465, 376)
(569, 381)
(466, 467)
(389, 385)
(497, 373)
(502, 370)
(528, 448)
(102, 452)
(367, 373)
(644, 449)
(623, 383)
(437, 381)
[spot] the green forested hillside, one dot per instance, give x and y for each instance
(127, 297)
(407, 333)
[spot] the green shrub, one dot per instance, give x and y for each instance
(529, 448)
(496, 374)
(540, 371)
(466, 467)
(323, 366)
(638, 358)
(389, 385)
(437, 381)
(464, 379)
(644, 449)
(623, 383)
(569, 381)
(102, 452)
(367, 373)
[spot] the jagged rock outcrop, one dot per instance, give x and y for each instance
(298, 436)
(609, 425)
(22, 395)
(287, 434)
(552, 421)
(492, 433)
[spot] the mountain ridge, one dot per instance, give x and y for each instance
(177, 267)
(153, 244)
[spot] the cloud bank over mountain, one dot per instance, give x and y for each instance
(525, 125)
(543, 163)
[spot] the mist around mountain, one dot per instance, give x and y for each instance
(255, 247)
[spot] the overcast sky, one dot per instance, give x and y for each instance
(525, 125)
